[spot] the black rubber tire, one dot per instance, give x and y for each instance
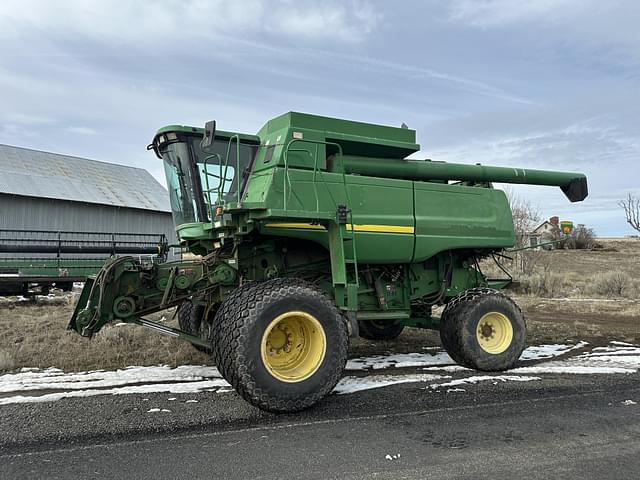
(239, 326)
(459, 322)
(380, 330)
(227, 309)
(191, 318)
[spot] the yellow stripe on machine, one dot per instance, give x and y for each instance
(301, 226)
(381, 228)
(356, 228)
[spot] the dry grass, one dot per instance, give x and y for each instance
(7, 361)
(35, 335)
(612, 271)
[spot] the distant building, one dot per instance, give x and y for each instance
(48, 191)
(547, 231)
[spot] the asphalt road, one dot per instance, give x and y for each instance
(569, 427)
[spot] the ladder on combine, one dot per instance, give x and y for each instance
(339, 225)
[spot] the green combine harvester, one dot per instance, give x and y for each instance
(314, 230)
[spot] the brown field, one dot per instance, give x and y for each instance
(587, 295)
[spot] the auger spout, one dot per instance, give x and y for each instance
(574, 185)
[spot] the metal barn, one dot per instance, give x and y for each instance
(61, 217)
(48, 191)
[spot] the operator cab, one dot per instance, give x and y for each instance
(199, 178)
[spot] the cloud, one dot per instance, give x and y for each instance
(25, 118)
(490, 13)
(118, 22)
(82, 130)
(609, 27)
(542, 84)
(348, 21)
(607, 154)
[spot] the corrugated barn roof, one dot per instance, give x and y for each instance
(42, 174)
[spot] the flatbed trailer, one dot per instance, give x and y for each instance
(34, 261)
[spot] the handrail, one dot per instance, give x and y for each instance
(224, 167)
(235, 137)
(315, 170)
(315, 164)
(206, 179)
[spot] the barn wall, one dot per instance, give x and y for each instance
(17, 212)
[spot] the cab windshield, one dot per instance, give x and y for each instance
(194, 177)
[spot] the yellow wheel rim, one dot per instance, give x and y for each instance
(293, 346)
(494, 332)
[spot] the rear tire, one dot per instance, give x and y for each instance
(380, 330)
(483, 329)
(281, 343)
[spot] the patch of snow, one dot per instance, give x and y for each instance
(455, 390)
(53, 384)
(484, 378)
(399, 360)
(357, 384)
(392, 457)
(629, 402)
(441, 360)
(568, 299)
(618, 350)
(558, 367)
(449, 368)
(56, 379)
(188, 387)
(549, 351)
(153, 410)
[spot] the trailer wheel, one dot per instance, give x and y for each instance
(282, 344)
(197, 320)
(380, 330)
(483, 329)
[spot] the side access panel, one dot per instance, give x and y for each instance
(383, 220)
(381, 210)
(454, 216)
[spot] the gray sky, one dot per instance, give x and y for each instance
(550, 84)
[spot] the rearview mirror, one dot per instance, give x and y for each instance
(209, 134)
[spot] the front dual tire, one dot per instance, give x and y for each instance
(281, 343)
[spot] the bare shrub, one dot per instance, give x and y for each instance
(631, 208)
(525, 218)
(582, 238)
(544, 284)
(616, 284)
(528, 260)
